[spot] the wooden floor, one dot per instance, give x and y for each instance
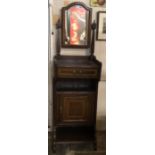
(64, 149)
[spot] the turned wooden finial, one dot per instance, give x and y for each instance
(58, 41)
(58, 24)
(93, 26)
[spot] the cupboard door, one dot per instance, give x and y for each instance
(76, 107)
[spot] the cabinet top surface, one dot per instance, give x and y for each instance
(72, 61)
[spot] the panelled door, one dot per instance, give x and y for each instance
(75, 107)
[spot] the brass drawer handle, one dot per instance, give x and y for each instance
(74, 70)
(80, 71)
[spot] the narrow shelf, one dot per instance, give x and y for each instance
(75, 135)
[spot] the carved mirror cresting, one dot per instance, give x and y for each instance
(76, 25)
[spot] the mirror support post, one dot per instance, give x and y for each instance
(58, 41)
(92, 48)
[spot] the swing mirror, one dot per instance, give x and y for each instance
(76, 28)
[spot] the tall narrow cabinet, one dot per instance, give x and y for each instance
(75, 81)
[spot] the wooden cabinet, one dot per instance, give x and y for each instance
(75, 83)
(75, 88)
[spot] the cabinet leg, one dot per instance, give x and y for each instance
(95, 141)
(54, 147)
(95, 146)
(54, 141)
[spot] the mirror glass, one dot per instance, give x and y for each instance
(76, 26)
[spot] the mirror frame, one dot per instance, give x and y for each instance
(63, 25)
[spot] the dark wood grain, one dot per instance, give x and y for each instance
(58, 42)
(74, 106)
(93, 40)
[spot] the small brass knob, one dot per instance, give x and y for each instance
(80, 71)
(74, 70)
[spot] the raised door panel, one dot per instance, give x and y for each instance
(76, 108)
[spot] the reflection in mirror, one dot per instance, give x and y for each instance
(76, 25)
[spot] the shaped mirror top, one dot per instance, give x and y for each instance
(76, 29)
